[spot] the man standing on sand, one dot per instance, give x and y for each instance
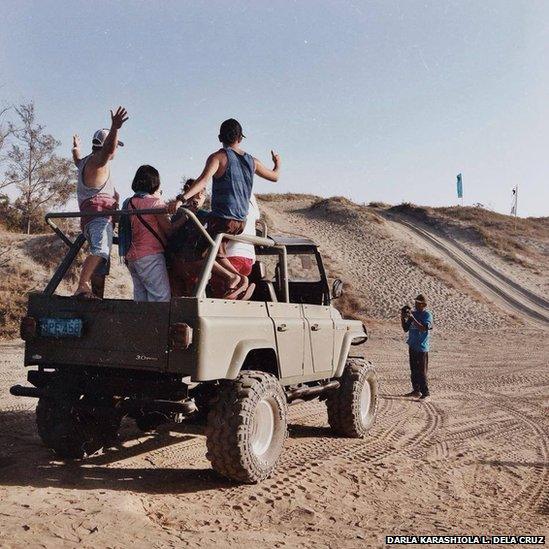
(418, 323)
(231, 170)
(95, 192)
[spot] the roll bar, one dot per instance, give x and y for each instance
(117, 214)
(76, 245)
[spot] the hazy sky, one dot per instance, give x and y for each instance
(372, 100)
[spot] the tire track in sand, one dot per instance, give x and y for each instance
(494, 284)
(533, 496)
(302, 462)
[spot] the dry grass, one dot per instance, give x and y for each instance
(48, 250)
(283, 197)
(438, 268)
(382, 205)
(340, 210)
(351, 304)
(16, 283)
(522, 241)
(26, 265)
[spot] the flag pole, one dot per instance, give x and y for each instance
(516, 206)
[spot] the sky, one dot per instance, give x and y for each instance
(377, 101)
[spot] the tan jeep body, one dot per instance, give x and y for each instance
(307, 342)
(234, 365)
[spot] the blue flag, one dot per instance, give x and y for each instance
(459, 186)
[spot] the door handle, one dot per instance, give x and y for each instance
(315, 327)
(282, 328)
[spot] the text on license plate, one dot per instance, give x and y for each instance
(61, 327)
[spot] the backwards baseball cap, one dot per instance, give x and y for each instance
(230, 131)
(421, 299)
(99, 137)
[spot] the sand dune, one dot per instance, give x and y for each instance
(471, 461)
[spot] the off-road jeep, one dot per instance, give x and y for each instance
(235, 365)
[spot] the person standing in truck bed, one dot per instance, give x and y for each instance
(231, 170)
(240, 254)
(95, 192)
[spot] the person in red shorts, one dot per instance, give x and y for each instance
(240, 254)
(231, 170)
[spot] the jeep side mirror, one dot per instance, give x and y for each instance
(337, 288)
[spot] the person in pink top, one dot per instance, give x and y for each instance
(149, 234)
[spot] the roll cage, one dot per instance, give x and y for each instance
(285, 289)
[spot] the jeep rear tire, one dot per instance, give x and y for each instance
(352, 408)
(71, 431)
(247, 427)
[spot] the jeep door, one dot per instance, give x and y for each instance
(289, 328)
(319, 326)
(307, 285)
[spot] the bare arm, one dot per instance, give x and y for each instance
(264, 172)
(111, 142)
(76, 156)
(212, 165)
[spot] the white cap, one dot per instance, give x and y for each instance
(99, 137)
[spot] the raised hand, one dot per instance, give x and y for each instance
(119, 117)
(276, 158)
(75, 141)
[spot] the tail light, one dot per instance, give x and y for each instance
(27, 328)
(181, 336)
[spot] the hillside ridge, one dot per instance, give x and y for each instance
(382, 268)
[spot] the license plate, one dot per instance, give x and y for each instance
(61, 327)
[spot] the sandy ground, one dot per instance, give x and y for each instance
(374, 259)
(473, 460)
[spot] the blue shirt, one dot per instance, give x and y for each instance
(231, 192)
(418, 340)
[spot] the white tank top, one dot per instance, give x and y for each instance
(83, 192)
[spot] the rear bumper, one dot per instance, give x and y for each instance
(103, 381)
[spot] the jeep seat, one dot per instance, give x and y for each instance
(264, 287)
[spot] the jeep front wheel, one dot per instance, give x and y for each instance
(247, 426)
(352, 408)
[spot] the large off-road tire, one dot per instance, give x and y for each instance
(352, 408)
(71, 431)
(247, 427)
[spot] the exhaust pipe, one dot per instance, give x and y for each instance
(166, 407)
(20, 391)
(309, 393)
